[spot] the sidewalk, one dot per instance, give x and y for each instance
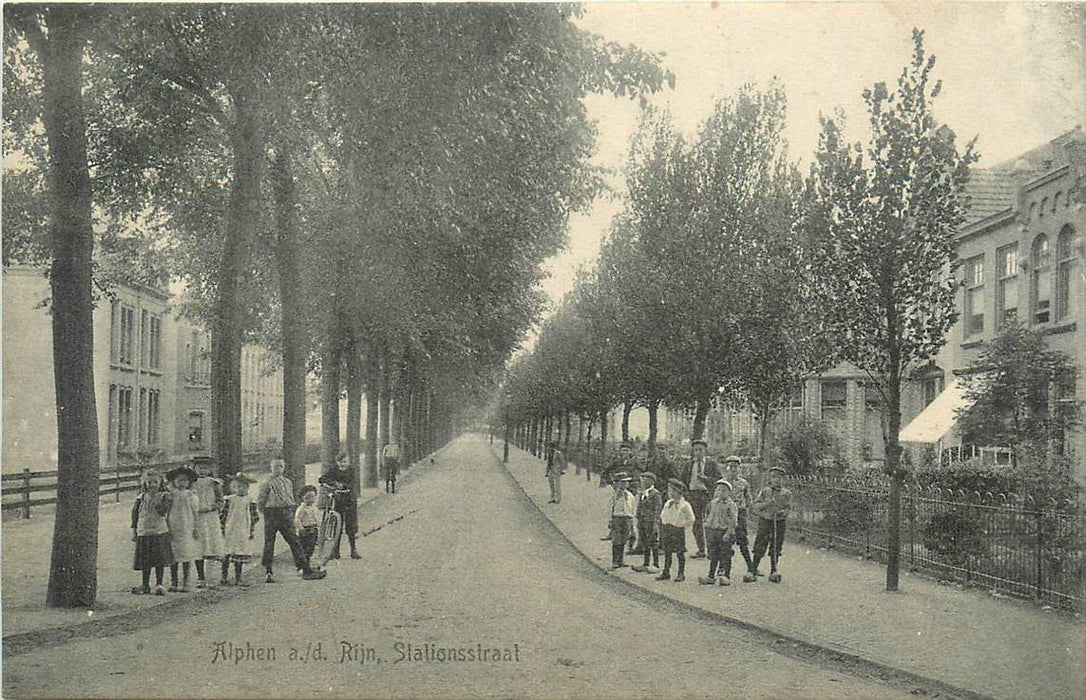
(993, 647)
(26, 545)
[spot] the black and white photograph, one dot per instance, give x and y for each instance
(544, 350)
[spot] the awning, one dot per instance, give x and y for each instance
(935, 421)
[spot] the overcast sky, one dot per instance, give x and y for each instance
(1013, 74)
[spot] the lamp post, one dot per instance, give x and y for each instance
(505, 411)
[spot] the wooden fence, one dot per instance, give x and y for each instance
(20, 489)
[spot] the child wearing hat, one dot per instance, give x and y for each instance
(184, 532)
(649, 506)
(676, 516)
(720, 521)
(772, 505)
(150, 531)
(238, 523)
(623, 510)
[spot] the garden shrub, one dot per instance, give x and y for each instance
(848, 512)
(953, 536)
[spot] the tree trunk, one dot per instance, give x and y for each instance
(242, 225)
(626, 409)
(569, 425)
(330, 374)
(603, 443)
(354, 417)
(73, 565)
(893, 466)
(701, 412)
(384, 425)
(373, 400)
(292, 315)
(654, 413)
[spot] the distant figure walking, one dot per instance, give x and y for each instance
(556, 467)
(390, 462)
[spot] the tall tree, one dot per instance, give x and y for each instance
(884, 239)
(58, 35)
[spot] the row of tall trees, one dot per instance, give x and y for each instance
(730, 277)
(368, 188)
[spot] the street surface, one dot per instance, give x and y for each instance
(471, 567)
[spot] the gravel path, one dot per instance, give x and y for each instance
(461, 562)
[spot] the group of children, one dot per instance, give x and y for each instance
(662, 525)
(183, 517)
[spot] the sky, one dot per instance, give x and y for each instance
(1013, 74)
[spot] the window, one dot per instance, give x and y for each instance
(834, 399)
(1007, 284)
(872, 398)
(1056, 202)
(114, 331)
(141, 436)
(1063, 409)
(155, 340)
(153, 415)
(145, 338)
(933, 386)
(125, 332)
(196, 430)
(795, 403)
(1032, 211)
(1065, 262)
(194, 352)
(974, 296)
(1044, 205)
(124, 412)
(1040, 280)
(111, 426)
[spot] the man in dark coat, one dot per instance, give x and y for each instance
(698, 475)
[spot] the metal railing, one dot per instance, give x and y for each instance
(1004, 542)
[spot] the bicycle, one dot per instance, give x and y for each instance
(331, 526)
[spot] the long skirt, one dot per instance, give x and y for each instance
(151, 551)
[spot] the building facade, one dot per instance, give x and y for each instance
(152, 372)
(1021, 252)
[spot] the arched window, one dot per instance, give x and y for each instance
(1065, 262)
(1032, 211)
(1040, 280)
(1044, 205)
(1056, 201)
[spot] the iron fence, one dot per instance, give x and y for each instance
(1003, 542)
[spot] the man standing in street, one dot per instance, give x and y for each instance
(276, 503)
(698, 475)
(556, 467)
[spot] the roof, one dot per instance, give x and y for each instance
(989, 192)
(938, 418)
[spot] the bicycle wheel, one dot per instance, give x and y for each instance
(330, 530)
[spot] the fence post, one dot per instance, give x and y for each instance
(117, 469)
(26, 494)
(1040, 550)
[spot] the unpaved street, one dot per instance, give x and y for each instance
(470, 566)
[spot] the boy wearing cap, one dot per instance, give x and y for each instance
(676, 516)
(743, 498)
(720, 520)
(648, 522)
(623, 510)
(772, 505)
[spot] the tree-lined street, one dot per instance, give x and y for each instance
(470, 562)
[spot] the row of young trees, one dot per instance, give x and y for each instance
(731, 277)
(368, 188)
